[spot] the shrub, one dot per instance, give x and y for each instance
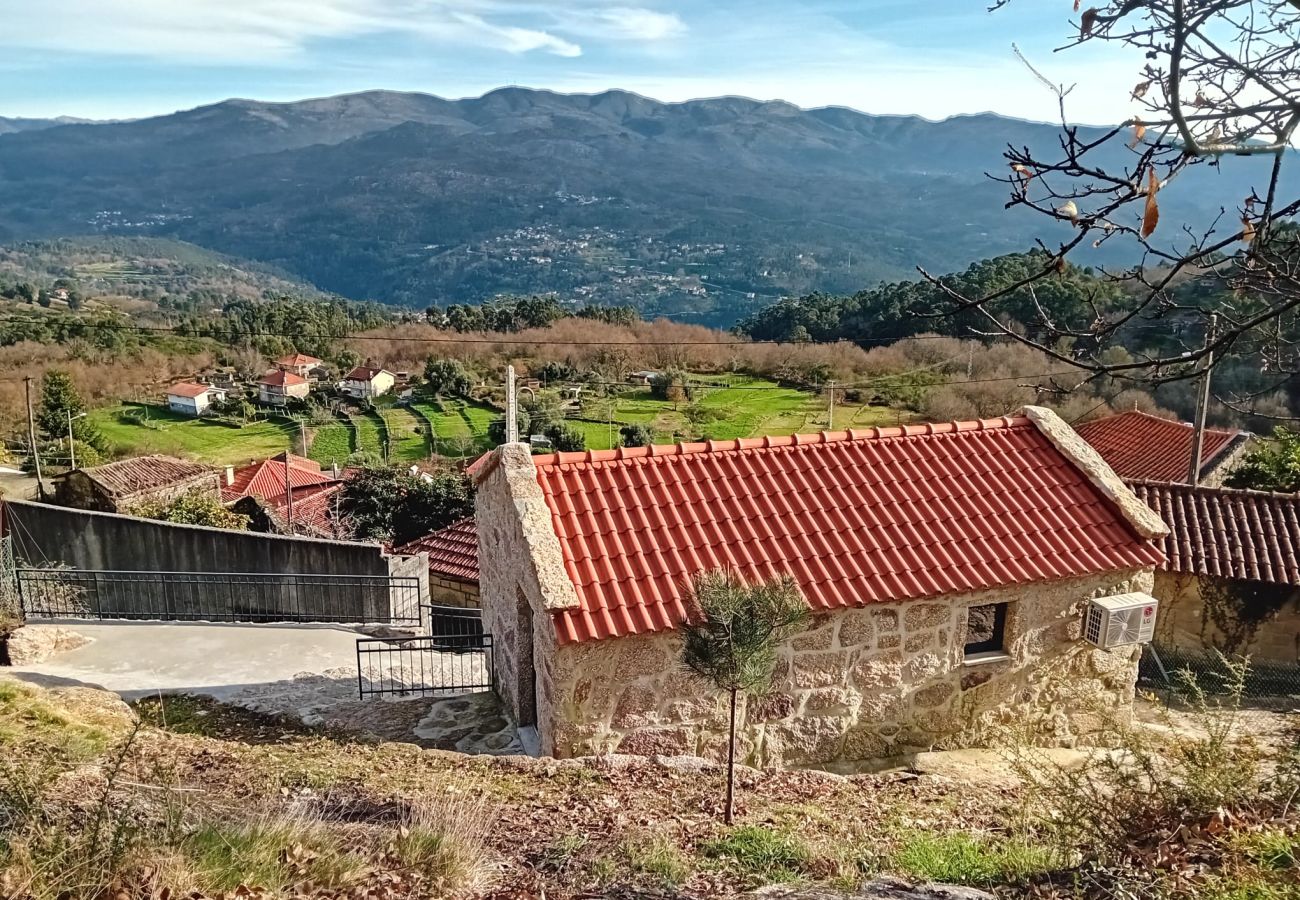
(635, 436)
(195, 508)
(565, 438)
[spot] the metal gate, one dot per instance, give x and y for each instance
(218, 596)
(424, 665)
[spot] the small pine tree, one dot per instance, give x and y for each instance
(733, 643)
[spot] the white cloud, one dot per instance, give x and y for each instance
(264, 31)
(624, 23)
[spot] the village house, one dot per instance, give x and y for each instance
(301, 364)
(1142, 446)
(190, 398)
(285, 494)
(453, 563)
(1231, 577)
(949, 568)
(280, 386)
(121, 486)
(368, 381)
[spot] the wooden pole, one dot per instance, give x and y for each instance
(730, 812)
(1202, 404)
(31, 436)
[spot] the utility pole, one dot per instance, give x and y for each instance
(512, 413)
(830, 413)
(31, 436)
(302, 435)
(1202, 404)
(72, 450)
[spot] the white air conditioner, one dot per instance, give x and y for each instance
(1121, 620)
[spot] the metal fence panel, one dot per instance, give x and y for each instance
(218, 596)
(429, 664)
(1175, 675)
(458, 626)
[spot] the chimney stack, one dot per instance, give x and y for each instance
(230, 475)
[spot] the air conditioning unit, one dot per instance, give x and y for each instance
(1121, 620)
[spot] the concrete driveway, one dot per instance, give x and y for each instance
(306, 671)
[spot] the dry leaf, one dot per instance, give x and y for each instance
(1076, 5)
(1140, 89)
(1068, 208)
(1247, 230)
(1151, 217)
(1139, 132)
(1088, 20)
(1060, 265)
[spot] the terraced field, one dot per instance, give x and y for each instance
(406, 432)
(370, 433)
(179, 435)
(331, 443)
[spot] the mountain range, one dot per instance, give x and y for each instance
(705, 208)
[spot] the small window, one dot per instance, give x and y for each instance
(986, 628)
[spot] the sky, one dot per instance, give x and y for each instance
(937, 58)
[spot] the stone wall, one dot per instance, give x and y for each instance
(1272, 634)
(80, 539)
(452, 591)
(858, 684)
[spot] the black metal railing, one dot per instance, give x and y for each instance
(457, 626)
(429, 664)
(218, 596)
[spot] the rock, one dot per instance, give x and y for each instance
(878, 889)
(36, 643)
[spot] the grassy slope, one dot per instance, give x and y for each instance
(369, 433)
(407, 434)
(183, 436)
(331, 443)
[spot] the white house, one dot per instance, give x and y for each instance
(368, 381)
(192, 399)
(281, 386)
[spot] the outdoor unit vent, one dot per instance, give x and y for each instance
(1121, 620)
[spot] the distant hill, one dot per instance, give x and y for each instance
(708, 208)
(9, 126)
(143, 267)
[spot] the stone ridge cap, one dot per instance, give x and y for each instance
(620, 454)
(1070, 444)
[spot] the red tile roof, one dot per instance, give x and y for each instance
(1139, 445)
(453, 551)
(189, 389)
(298, 359)
(281, 378)
(265, 478)
(1245, 535)
(855, 517)
(364, 373)
(313, 508)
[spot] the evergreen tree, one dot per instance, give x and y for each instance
(59, 399)
(733, 641)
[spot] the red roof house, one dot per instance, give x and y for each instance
(265, 478)
(453, 562)
(279, 386)
(946, 565)
(1142, 446)
(299, 363)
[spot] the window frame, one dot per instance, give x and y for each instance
(997, 644)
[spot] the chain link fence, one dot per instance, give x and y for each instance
(1263, 695)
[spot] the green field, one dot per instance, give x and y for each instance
(459, 426)
(331, 443)
(179, 435)
(370, 434)
(406, 432)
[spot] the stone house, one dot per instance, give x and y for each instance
(280, 386)
(121, 486)
(1141, 446)
(286, 494)
(1231, 576)
(453, 563)
(948, 568)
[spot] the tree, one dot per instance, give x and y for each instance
(1220, 81)
(565, 438)
(389, 504)
(1273, 466)
(635, 436)
(447, 377)
(59, 398)
(195, 508)
(733, 638)
(497, 427)
(670, 385)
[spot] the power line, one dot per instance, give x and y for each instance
(460, 339)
